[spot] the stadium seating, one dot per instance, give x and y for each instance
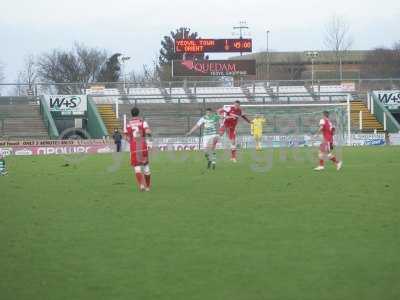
(178, 95)
(107, 113)
(369, 121)
(325, 92)
(219, 94)
(143, 95)
(295, 90)
(292, 93)
(172, 111)
(257, 93)
(146, 95)
(21, 119)
(104, 96)
(169, 120)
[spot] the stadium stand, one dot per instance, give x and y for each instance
(219, 94)
(325, 92)
(21, 118)
(104, 96)
(245, 93)
(146, 95)
(107, 113)
(171, 120)
(178, 95)
(292, 93)
(258, 93)
(369, 121)
(172, 110)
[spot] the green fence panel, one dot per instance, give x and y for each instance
(48, 119)
(95, 124)
(392, 126)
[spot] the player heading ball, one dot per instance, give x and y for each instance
(231, 115)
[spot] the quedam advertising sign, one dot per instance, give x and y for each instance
(188, 68)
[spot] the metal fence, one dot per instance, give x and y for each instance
(40, 88)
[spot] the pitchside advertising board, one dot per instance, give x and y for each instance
(56, 147)
(67, 104)
(66, 147)
(391, 99)
(188, 68)
(394, 139)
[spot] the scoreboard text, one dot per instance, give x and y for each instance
(213, 45)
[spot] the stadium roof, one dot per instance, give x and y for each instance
(325, 57)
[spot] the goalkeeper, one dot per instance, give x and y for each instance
(257, 130)
(3, 170)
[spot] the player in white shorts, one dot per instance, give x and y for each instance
(210, 135)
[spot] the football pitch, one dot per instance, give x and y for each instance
(76, 228)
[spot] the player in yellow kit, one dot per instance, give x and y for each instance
(257, 130)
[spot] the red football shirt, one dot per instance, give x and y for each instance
(231, 115)
(136, 132)
(327, 130)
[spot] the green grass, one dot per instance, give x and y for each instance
(83, 231)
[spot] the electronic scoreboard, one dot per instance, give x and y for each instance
(213, 45)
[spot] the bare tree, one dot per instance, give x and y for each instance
(90, 60)
(148, 75)
(27, 77)
(338, 39)
(80, 65)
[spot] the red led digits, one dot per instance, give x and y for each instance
(212, 45)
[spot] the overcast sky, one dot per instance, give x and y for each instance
(136, 28)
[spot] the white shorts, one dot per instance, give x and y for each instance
(209, 140)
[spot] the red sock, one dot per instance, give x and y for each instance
(334, 160)
(233, 151)
(321, 162)
(139, 178)
(147, 179)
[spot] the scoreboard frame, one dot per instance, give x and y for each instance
(213, 45)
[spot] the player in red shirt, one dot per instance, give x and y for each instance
(138, 132)
(325, 149)
(231, 115)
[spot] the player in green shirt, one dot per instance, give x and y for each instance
(210, 123)
(3, 170)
